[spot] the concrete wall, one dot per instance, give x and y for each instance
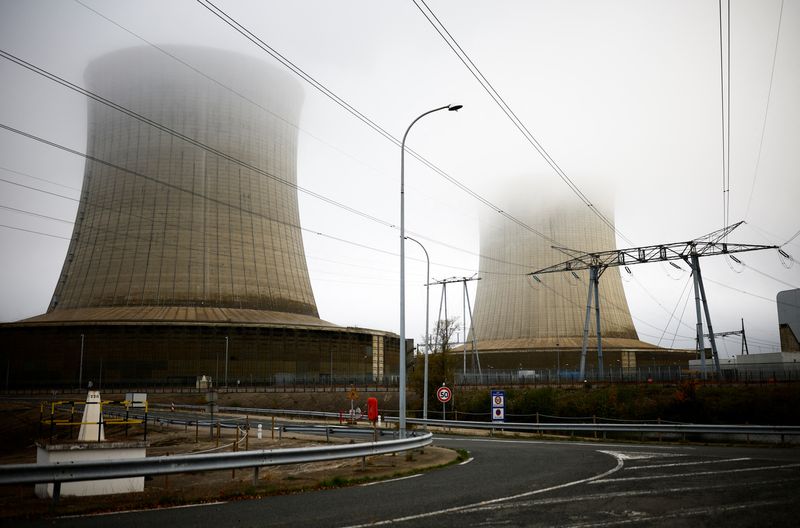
(90, 451)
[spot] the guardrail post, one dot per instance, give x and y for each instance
(255, 475)
(196, 431)
(273, 428)
(56, 495)
(235, 449)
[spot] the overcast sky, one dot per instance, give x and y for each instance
(625, 96)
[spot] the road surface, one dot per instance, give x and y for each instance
(530, 483)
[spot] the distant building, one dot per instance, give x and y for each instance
(789, 320)
(187, 255)
(520, 323)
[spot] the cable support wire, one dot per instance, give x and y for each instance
(675, 335)
(725, 113)
(7, 169)
(223, 155)
(766, 114)
(191, 141)
(239, 28)
(223, 85)
(197, 195)
(605, 301)
(671, 315)
(437, 24)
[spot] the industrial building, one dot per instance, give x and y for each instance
(187, 256)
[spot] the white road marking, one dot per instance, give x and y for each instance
(631, 493)
(638, 455)
(179, 507)
(640, 517)
(558, 443)
(391, 480)
(467, 461)
(458, 509)
(720, 461)
(696, 474)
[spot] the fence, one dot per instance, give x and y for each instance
(749, 373)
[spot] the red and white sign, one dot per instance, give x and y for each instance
(443, 394)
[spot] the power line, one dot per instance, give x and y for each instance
(219, 202)
(506, 109)
(212, 150)
(39, 179)
(239, 28)
(725, 147)
(766, 114)
(190, 140)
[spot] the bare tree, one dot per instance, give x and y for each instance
(441, 363)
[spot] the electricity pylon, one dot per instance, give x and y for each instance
(690, 252)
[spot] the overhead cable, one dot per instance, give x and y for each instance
(437, 24)
(239, 28)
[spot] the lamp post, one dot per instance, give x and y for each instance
(226, 362)
(80, 370)
(427, 335)
(402, 380)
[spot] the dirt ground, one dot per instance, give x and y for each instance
(19, 426)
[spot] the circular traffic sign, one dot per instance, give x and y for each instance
(443, 394)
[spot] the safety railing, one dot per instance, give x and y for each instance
(167, 465)
(600, 427)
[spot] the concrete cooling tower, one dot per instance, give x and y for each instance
(165, 222)
(519, 322)
(187, 240)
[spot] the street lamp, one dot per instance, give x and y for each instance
(402, 402)
(427, 335)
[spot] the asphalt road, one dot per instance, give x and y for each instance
(531, 483)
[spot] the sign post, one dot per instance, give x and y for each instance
(498, 406)
(444, 394)
(352, 396)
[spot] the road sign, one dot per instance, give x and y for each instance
(352, 395)
(498, 406)
(443, 394)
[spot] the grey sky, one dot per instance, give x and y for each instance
(625, 96)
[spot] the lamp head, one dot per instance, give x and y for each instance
(455, 108)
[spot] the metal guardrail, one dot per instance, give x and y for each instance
(616, 427)
(628, 427)
(166, 465)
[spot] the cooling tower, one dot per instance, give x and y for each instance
(509, 305)
(207, 222)
(186, 262)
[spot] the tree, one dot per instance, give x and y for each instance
(441, 363)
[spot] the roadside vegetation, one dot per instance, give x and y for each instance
(690, 401)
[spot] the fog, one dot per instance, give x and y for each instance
(627, 98)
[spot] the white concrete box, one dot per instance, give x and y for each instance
(85, 452)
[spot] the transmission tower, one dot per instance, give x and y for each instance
(466, 305)
(690, 252)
